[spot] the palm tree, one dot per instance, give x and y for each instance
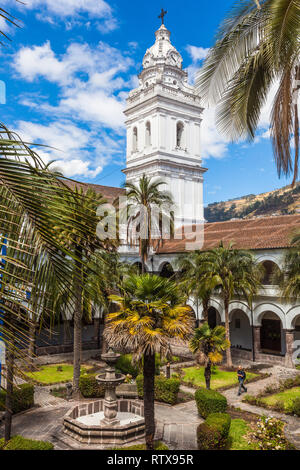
(83, 244)
(194, 276)
(256, 49)
(296, 238)
(211, 343)
(231, 273)
(32, 202)
(290, 283)
(106, 274)
(144, 198)
(151, 313)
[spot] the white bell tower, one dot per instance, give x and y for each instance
(163, 129)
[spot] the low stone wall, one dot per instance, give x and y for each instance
(259, 357)
(64, 348)
(105, 435)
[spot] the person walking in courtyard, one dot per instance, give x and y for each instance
(241, 378)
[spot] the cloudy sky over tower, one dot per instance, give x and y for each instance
(71, 65)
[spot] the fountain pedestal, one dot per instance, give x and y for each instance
(110, 380)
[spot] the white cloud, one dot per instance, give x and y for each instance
(92, 87)
(73, 10)
(5, 26)
(197, 53)
(213, 144)
(76, 151)
(95, 8)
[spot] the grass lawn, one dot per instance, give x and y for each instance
(49, 374)
(219, 378)
(286, 397)
(237, 436)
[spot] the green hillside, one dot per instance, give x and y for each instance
(278, 202)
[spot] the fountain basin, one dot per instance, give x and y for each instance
(83, 423)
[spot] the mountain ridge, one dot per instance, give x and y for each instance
(282, 201)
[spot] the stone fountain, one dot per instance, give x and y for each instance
(110, 380)
(109, 421)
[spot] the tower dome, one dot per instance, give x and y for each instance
(162, 51)
(162, 63)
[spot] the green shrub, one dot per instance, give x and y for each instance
(213, 433)
(126, 366)
(221, 422)
(22, 399)
(296, 406)
(90, 388)
(207, 437)
(20, 443)
(209, 401)
(165, 390)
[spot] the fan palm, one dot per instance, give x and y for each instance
(151, 313)
(194, 276)
(256, 49)
(211, 342)
(32, 203)
(106, 274)
(291, 281)
(82, 243)
(231, 273)
(144, 198)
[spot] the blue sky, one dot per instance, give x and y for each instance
(68, 71)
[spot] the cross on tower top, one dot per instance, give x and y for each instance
(162, 15)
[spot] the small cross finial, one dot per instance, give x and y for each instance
(162, 15)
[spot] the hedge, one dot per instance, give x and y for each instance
(20, 443)
(213, 433)
(296, 406)
(165, 390)
(209, 401)
(90, 388)
(22, 399)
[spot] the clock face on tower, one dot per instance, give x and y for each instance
(174, 59)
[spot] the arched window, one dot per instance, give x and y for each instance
(135, 140)
(271, 273)
(179, 135)
(148, 134)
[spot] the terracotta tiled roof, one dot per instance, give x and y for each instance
(108, 192)
(252, 234)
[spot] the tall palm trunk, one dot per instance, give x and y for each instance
(205, 303)
(77, 326)
(9, 359)
(296, 124)
(227, 329)
(149, 374)
(31, 345)
(207, 374)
